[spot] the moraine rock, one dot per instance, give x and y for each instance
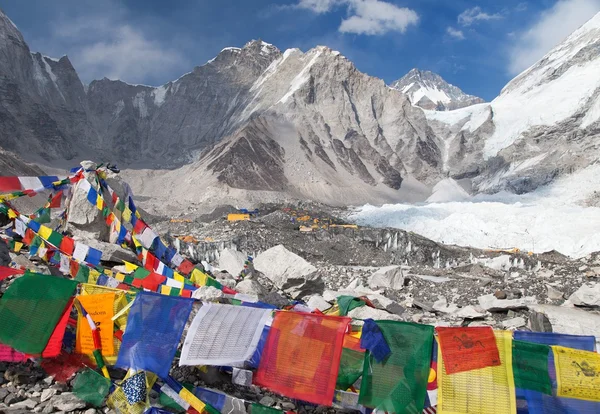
(586, 295)
(289, 272)
(250, 287)
(554, 294)
(390, 277)
(207, 293)
(514, 323)
(317, 302)
(441, 305)
(559, 319)
(47, 394)
(470, 312)
(492, 304)
(66, 401)
(231, 260)
(367, 312)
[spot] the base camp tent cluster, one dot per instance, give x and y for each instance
(146, 319)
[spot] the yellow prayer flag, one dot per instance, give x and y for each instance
(11, 214)
(489, 390)
(577, 373)
(130, 267)
(178, 277)
(198, 277)
(165, 290)
(45, 232)
(93, 278)
(126, 215)
(101, 308)
(18, 246)
(99, 202)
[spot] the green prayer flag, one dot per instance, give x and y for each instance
(261, 409)
(140, 273)
(530, 366)
(347, 303)
(399, 384)
(43, 216)
(55, 238)
(30, 309)
(120, 205)
(351, 368)
(91, 387)
(83, 274)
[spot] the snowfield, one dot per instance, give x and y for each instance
(551, 218)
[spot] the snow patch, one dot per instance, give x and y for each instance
(119, 106)
(301, 78)
(232, 49)
(139, 102)
(592, 115)
(159, 95)
(434, 94)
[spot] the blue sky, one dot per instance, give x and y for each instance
(475, 44)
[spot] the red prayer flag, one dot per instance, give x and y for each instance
(302, 354)
(139, 227)
(186, 267)
(10, 184)
(67, 245)
(65, 366)
(55, 342)
(29, 235)
(152, 281)
(465, 349)
(55, 202)
(9, 271)
(9, 354)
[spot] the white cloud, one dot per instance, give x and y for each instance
(457, 34)
(470, 16)
(318, 6)
(368, 17)
(552, 27)
(102, 44)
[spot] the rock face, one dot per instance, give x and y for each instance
(289, 272)
(429, 91)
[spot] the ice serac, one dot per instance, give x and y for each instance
(429, 90)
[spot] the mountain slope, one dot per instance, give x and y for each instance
(544, 124)
(429, 91)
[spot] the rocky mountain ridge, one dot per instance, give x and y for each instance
(258, 122)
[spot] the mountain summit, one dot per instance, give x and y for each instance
(429, 90)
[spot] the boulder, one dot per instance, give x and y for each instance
(250, 287)
(390, 277)
(586, 295)
(207, 293)
(441, 305)
(554, 294)
(317, 302)
(514, 323)
(470, 312)
(382, 302)
(289, 272)
(67, 401)
(559, 319)
(84, 219)
(232, 261)
(47, 394)
(366, 312)
(493, 304)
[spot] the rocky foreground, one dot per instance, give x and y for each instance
(308, 254)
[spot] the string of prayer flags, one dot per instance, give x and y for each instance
(225, 335)
(91, 387)
(465, 349)
(31, 308)
(302, 355)
(35, 184)
(530, 366)
(536, 402)
(577, 373)
(489, 390)
(154, 327)
(398, 384)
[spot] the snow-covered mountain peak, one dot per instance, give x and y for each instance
(429, 90)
